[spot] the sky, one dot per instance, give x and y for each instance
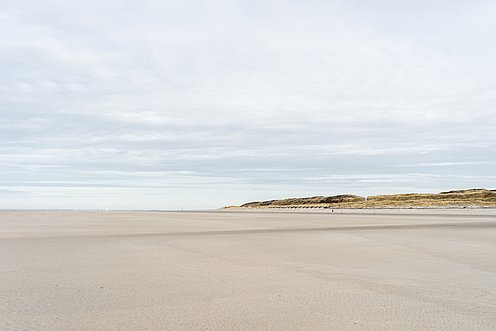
(162, 104)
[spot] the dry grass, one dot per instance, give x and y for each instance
(345, 198)
(461, 198)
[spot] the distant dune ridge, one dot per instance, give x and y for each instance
(459, 198)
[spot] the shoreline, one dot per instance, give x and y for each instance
(451, 211)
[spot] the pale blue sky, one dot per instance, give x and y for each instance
(200, 104)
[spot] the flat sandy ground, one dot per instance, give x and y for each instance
(248, 270)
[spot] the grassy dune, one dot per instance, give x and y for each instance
(461, 198)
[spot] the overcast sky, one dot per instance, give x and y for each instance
(199, 104)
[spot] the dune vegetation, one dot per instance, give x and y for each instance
(459, 198)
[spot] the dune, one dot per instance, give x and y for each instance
(458, 198)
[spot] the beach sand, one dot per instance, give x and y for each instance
(241, 270)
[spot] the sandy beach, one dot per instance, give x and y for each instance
(240, 270)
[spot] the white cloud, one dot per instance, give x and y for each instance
(261, 94)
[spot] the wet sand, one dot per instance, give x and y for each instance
(227, 270)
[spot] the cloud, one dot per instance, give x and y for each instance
(443, 164)
(215, 102)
